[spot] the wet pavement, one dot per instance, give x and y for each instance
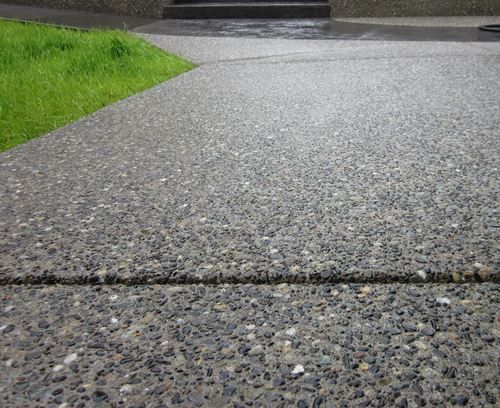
(275, 161)
(319, 29)
(456, 21)
(309, 223)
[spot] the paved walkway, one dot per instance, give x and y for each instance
(301, 176)
(387, 29)
(274, 161)
(457, 21)
(324, 29)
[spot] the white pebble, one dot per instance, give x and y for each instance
(291, 332)
(422, 274)
(57, 368)
(72, 357)
(114, 320)
(126, 389)
(298, 369)
(443, 301)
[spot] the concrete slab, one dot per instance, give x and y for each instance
(456, 21)
(141, 8)
(279, 346)
(203, 50)
(314, 29)
(368, 168)
(275, 161)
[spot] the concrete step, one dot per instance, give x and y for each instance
(243, 1)
(248, 10)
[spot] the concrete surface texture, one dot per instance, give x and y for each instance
(248, 10)
(244, 345)
(339, 8)
(314, 29)
(409, 8)
(144, 8)
(72, 18)
(464, 29)
(460, 21)
(294, 223)
(296, 161)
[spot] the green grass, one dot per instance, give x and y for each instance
(51, 76)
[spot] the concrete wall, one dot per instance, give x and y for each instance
(413, 8)
(145, 8)
(340, 8)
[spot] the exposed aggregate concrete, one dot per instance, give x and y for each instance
(204, 50)
(247, 345)
(378, 164)
(365, 170)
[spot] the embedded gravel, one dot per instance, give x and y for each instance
(349, 165)
(247, 345)
(205, 50)
(274, 162)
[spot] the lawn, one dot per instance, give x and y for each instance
(52, 76)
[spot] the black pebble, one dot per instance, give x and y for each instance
(99, 396)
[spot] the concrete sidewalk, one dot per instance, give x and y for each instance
(260, 346)
(332, 189)
(276, 161)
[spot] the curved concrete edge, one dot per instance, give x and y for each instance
(457, 21)
(313, 29)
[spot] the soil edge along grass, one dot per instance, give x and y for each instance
(51, 76)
